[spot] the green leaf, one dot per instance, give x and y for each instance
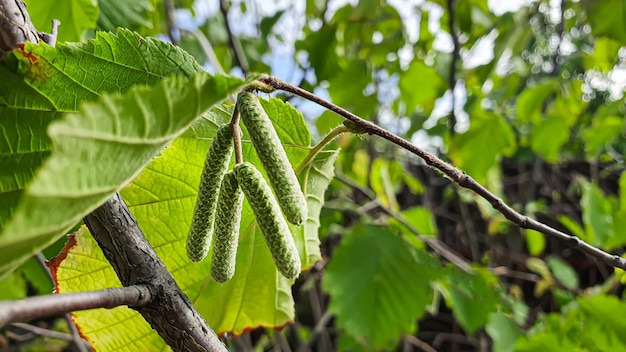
(607, 18)
(14, 286)
(76, 16)
(603, 323)
(535, 242)
(110, 141)
(421, 219)
(503, 332)
(54, 81)
(478, 149)
(378, 286)
(602, 132)
(529, 103)
(132, 15)
(162, 198)
(471, 298)
(420, 85)
(593, 324)
(81, 267)
(321, 47)
(604, 55)
(563, 272)
(548, 137)
(597, 214)
(573, 227)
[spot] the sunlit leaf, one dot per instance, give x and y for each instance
(374, 268)
(162, 199)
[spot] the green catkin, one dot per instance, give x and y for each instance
(226, 229)
(272, 223)
(215, 166)
(273, 158)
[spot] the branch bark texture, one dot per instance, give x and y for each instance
(170, 313)
(57, 304)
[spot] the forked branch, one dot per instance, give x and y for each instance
(456, 175)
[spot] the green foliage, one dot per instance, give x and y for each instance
(379, 286)
(472, 298)
(76, 16)
(541, 126)
(97, 136)
(588, 324)
(480, 148)
(162, 200)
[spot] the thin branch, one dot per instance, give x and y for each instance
(456, 175)
(433, 242)
(84, 345)
(17, 28)
(78, 340)
(172, 27)
(207, 48)
(453, 63)
(172, 315)
(419, 343)
(57, 304)
(334, 133)
(240, 56)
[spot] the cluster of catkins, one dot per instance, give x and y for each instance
(217, 214)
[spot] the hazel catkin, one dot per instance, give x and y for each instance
(270, 220)
(273, 158)
(226, 229)
(215, 166)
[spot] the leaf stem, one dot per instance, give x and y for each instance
(234, 124)
(456, 175)
(319, 146)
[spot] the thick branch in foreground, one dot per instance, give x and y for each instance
(456, 175)
(170, 313)
(57, 304)
(17, 28)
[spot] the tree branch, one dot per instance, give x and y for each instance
(78, 340)
(455, 58)
(16, 27)
(171, 313)
(58, 304)
(240, 56)
(172, 29)
(456, 175)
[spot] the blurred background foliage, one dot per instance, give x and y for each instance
(525, 96)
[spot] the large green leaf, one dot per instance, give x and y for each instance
(40, 82)
(530, 102)
(76, 16)
(162, 198)
(378, 286)
(420, 86)
(100, 149)
(131, 15)
(548, 137)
